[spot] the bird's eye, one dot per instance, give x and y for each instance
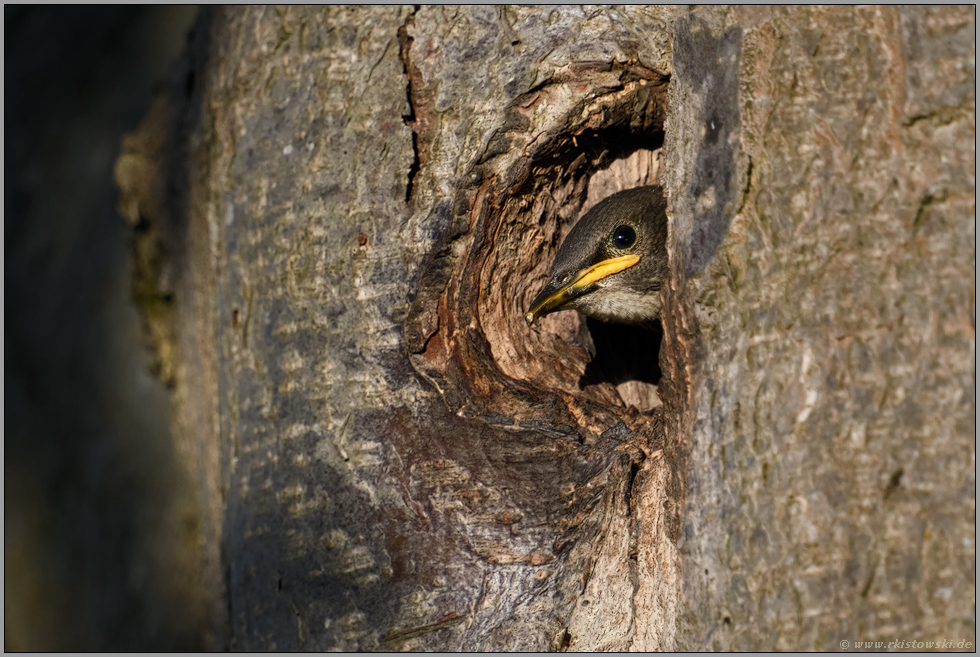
(624, 237)
(564, 278)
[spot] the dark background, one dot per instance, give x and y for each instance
(93, 500)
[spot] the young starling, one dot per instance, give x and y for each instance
(613, 262)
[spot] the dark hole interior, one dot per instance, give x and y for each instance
(601, 147)
(622, 353)
(616, 142)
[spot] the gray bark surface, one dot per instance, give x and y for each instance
(828, 349)
(393, 460)
(366, 506)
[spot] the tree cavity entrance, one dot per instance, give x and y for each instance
(616, 365)
(609, 144)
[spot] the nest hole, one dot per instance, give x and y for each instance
(612, 363)
(613, 146)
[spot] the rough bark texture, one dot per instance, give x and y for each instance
(376, 194)
(828, 348)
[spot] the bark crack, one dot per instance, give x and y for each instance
(925, 201)
(748, 188)
(632, 564)
(419, 630)
(411, 119)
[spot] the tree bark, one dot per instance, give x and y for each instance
(391, 459)
(831, 380)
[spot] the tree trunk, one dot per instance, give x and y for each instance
(827, 349)
(391, 459)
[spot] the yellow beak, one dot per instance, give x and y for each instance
(551, 298)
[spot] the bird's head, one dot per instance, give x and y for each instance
(613, 262)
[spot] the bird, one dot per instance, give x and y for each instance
(613, 262)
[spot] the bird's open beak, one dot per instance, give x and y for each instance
(554, 296)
